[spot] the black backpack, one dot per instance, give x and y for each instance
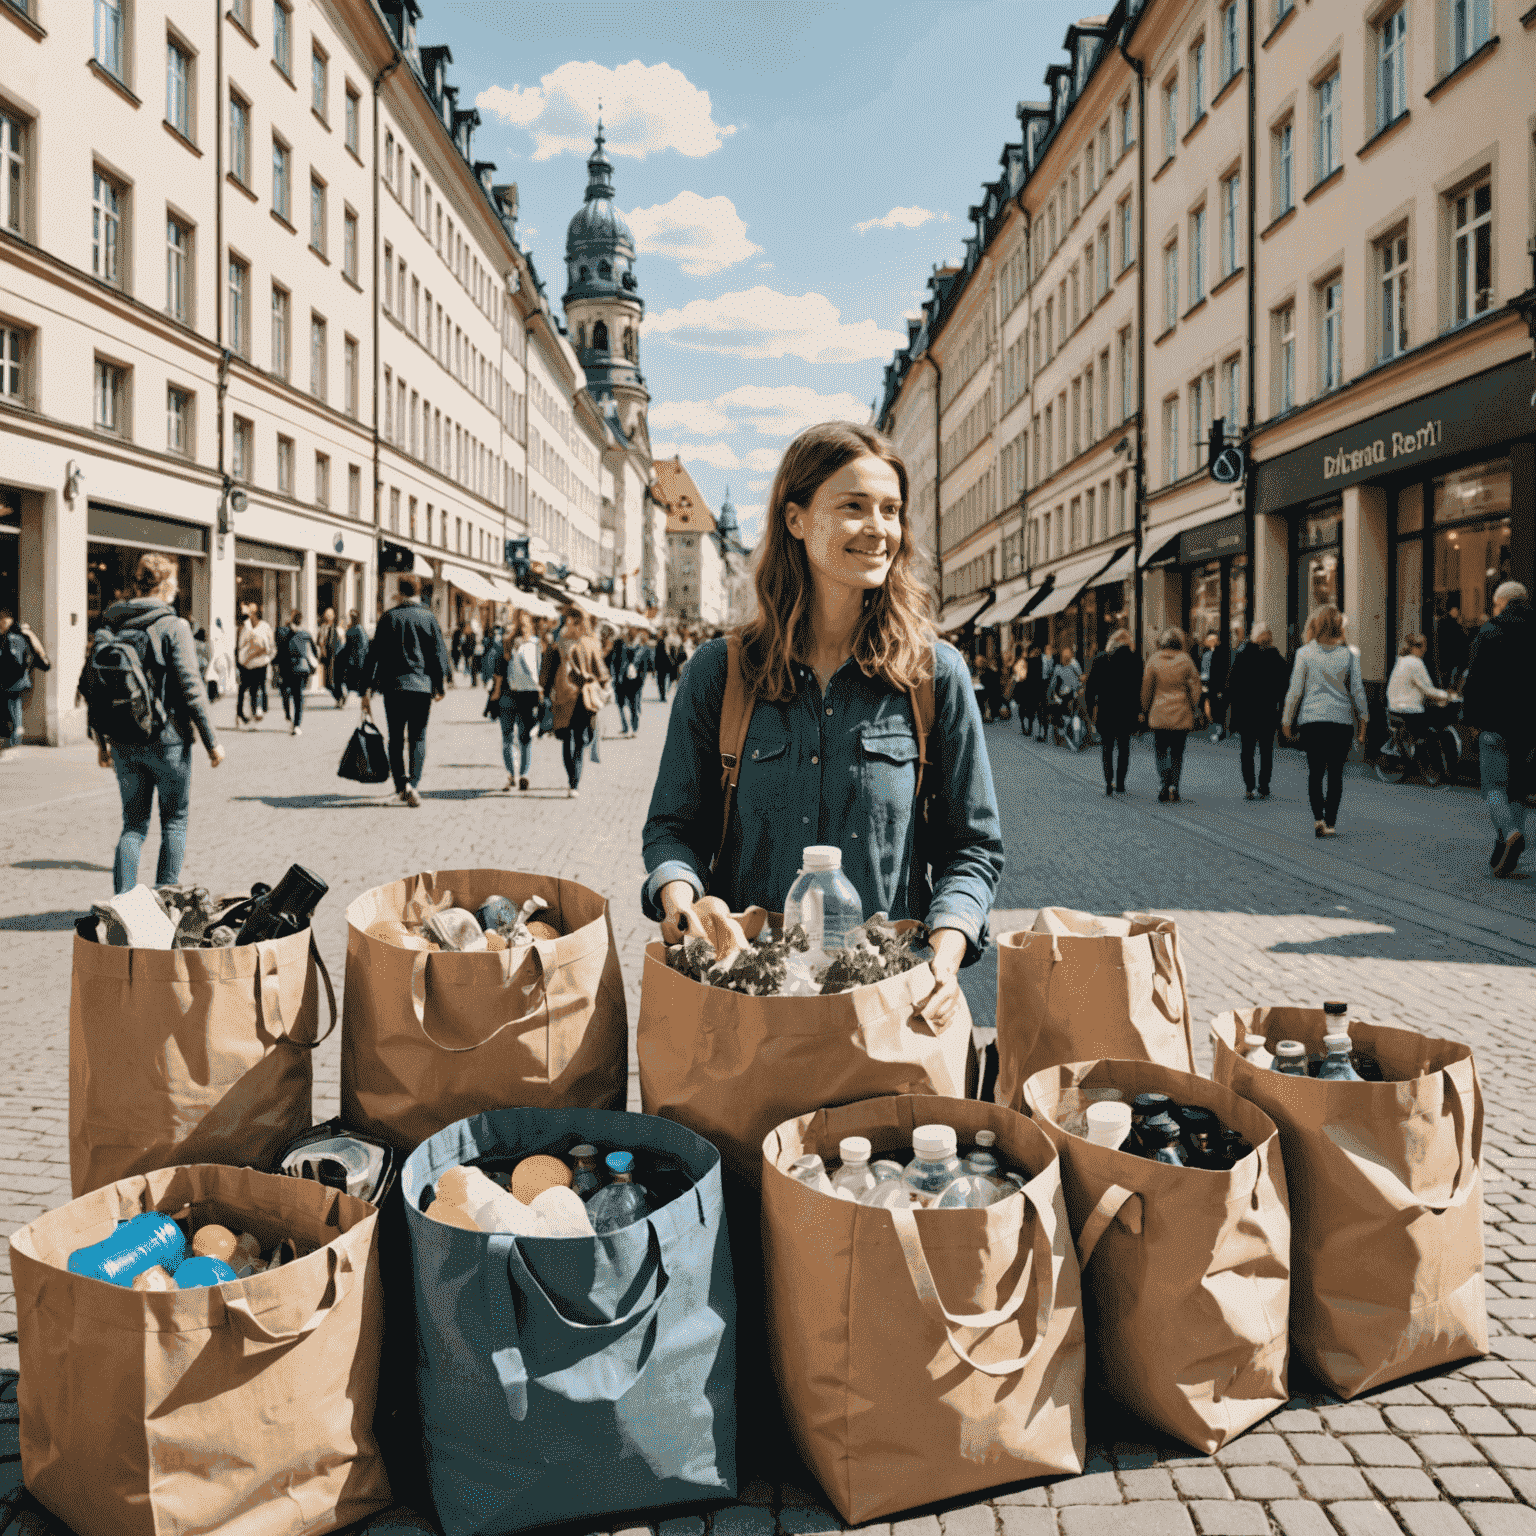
(296, 649)
(123, 679)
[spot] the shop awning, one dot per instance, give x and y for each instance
(959, 614)
(529, 602)
(1121, 568)
(1159, 539)
(472, 583)
(1070, 580)
(1007, 609)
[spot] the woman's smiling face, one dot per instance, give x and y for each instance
(852, 528)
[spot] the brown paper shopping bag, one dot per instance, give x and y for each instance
(1076, 987)
(190, 1055)
(243, 1407)
(1187, 1271)
(1386, 1197)
(732, 1067)
(430, 1038)
(923, 1355)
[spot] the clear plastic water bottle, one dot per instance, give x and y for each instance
(1291, 1058)
(885, 1169)
(812, 1172)
(855, 1176)
(137, 1244)
(822, 900)
(621, 1202)
(585, 1179)
(979, 1184)
(888, 1195)
(934, 1165)
(1336, 1067)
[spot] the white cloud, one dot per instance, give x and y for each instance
(758, 485)
(763, 323)
(696, 416)
(646, 109)
(704, 235)
(750, 520)
(783, 410)
(716, 455)
(761, 458)
(902, 218)
(765, 266)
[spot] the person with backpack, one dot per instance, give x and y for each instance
(20, 652)
(629, 680)
(144, 699)
(298, 661)
(833, 717)
(255, 648)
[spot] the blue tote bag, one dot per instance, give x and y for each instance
(565, 1378)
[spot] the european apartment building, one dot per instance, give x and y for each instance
(262, 310)
(1319, 224)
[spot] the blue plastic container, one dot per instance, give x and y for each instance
(192, 1274)
(138, 1244)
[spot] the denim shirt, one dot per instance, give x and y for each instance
(837, 768)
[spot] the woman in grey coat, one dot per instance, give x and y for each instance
(1327, 702)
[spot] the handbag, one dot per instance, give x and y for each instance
(366, 758)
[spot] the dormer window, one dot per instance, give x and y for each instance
(586, 272)
(604, 270)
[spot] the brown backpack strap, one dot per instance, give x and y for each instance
(735, 718)
(923, 711)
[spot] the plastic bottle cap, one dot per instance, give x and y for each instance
(854, 1149)
(1290, 1048)
(821, 856)
(986, 1138)
(934, 1141)
(1109, 1114)
(1336, 1042)
(620, 1162)
(584, 1150)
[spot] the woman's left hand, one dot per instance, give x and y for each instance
(944, 1002)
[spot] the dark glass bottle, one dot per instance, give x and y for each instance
(285, 909)
(1143, 1107)
(1160, 1140)
(1199, 1133)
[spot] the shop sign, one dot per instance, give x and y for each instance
(143, 530)
(1229, 536)
(1474, 414)
(257, 552)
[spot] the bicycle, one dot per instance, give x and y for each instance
(1070, 725)
(1433, 754)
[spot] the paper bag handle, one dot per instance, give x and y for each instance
(1169, 964)
(1038, 1271)
(269, 996)
(238, 1309)
(419, 996)
(1461, 1185)
(1111, 1203)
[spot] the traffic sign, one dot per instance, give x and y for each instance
(1228, 466)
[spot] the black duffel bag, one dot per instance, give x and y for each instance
(366, 759)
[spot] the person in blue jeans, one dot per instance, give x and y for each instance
(163, 766)
(1496, 698)
(298, 660)
(515, 691)
(20, 651)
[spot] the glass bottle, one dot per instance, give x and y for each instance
(855, 1175)
(1336, 1066)
(1160, 1135)
(811, 1171)
(823, 900)
(1291, 1058)
(934, 1164)
(619, 1203)
(1143, 1107)
(1200, 1132)
(585, 1180)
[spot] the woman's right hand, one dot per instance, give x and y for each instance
(676, 898)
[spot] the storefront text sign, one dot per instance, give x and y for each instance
(1402, 445)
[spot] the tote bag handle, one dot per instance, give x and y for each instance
(238, 1308)
(419, 994)
(269, 997)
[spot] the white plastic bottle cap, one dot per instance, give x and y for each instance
(933, 1141)
(854, 1149)
(821, 856)
(1336, 1041)
(1290, 1048)
(986, 1138)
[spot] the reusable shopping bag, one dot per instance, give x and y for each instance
(190, 1055)
(1186, 1271)
(1076, 987)
(923, 1355)
(366, 758)
(428, 1038)
(731, 1067)
(570, 1378)
(240, 1407)
(1386, 1197)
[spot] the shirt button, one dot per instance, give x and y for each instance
(815, 759)
(829, 711)
(805, 820)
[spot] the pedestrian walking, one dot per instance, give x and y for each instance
(1113, 697)
(1496, 698)
(354, 655)
(1452, 646)
(1171, 702)
(408, 662)
(629, 681)
(1214, 661)
(1047, 677)
(574, 676)
(303, 660)
(159, 762)
(255, 647)
(328, 644)
(519, 663)
(20, 653)
(992, 687)
(838, 657)
(1066, 682)
(1255, 693)
(281, 664)
(662, 664)
(222, 675)
(1326, 701)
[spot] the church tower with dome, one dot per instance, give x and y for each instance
(603, 307)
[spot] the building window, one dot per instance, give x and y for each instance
(1471, 26)
(178, 269)
(1102, 285)
(394, 511)
(1197, 82)
(281, 354)
(1395, 290)
(1170, 118)
(1231, 199)
(178, 88)
(240, 10)
(1233, 380)
(111, 398)
(282, 38)
(1127, 235)
(1196, 257)
(317, 357)
(1330, 337)
(285, 465)
(282, 177)
(349, 374)
(178, 421)
(239, 326)
(352, 115)
(349, 244)
(241, 449)
(354, 491)
(1285, 184)
(317, 215)
(322, 480)
(13, 359)
(13, 171)
(1170, 439)
(1229, 54)
(1472, 227)
(1392, 68)
(239, 140)
(109, 36)
(1285, 358)
(106, 229)
(1127, 124)
(415, 196)
(389, 278)
(1202, 406)
(1170, 286)
(1127, 376)
(317, 82)
(1326, 106)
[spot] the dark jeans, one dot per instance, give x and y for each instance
(1501, 769)
(519, 711)
(142, 770)
(1169, 747)
(662, 679)
(629, 704)
(407, 715)
(575, 744)
(12, 721)
(253, 681)
(1109, 746)
(1264, 741)
(338, 682)
(296, 686)
(1327, 745)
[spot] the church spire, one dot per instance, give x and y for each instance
(599, 168)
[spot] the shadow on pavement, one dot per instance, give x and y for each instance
(323, 802)
(43, 922)
(95, 869)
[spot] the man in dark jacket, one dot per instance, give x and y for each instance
(1496, 699)
(1255, 693)
(408, 663)
(353, 657)
(328, 643)
(1113, 699)
(20, 651)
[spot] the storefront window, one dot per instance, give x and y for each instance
(275, 590)
(1469, 557)
(1237, 598)
(109, 579)
(1410, 509)
(1476, 491)
(1318, 577)
(1410, 590)
(1204, 601)
(1470, 562)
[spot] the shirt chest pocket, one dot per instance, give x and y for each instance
(763, 788)
(888, 772)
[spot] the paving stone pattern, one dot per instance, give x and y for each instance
(1398, 914)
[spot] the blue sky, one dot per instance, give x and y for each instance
(750, 141)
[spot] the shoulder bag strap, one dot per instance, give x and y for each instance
(735, 718)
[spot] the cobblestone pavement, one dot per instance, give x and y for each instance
(1398, 914)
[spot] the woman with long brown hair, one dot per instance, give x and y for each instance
(573, 677)
(516, 694)
(837, 668)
